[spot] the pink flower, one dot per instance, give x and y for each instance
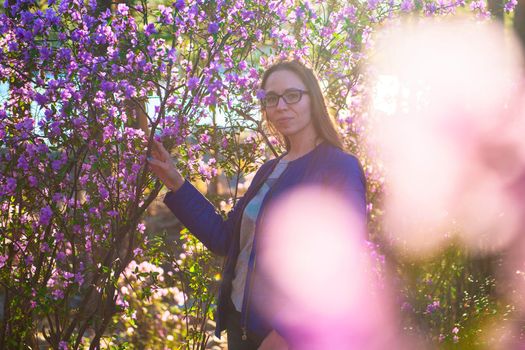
(3, 259)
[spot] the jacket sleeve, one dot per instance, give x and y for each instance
(201, 217)
(345, 175)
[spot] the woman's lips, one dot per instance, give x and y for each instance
(283, 120)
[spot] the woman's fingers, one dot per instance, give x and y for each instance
(155, 153)
(166, 171)
(155, 162)
(159, 147)
(158, 151)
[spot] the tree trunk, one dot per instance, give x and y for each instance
(519, 23)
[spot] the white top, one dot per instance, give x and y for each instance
(249, 218)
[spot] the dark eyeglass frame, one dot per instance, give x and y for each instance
(265, 104)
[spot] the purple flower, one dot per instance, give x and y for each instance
(29, 260)
(3, 259)
(166, 14)
(41, 99)
(44, 248)
(109, 132)
(407, 5)
(243, 65)
(88, 246)
(38, 25)
(192, 83)
(204, 170)
(430, 8)
(61, 257)
(26, 124)
(510, 5)
(150, 29)
(104, 194)
(59, 237)
(299, 12)
(107, 86)
(51, 16)
(432, 306)
(247, 15)
(122, 9)
(22, 163)
(58, 294)
(26, 17)
(10, 186)
(260, 94)
(92, 4)
(12, 46)
(56, 165)
(213, 28)
(106, 14)
(179, 5)
(130, 91)
(45, 215)
(79, 278)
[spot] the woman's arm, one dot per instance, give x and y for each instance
(190, 206)
(349, 179)
(201, 217)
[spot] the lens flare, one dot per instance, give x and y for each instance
(326, 294)
(448, 125)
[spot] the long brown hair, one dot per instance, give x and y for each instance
(322, 122)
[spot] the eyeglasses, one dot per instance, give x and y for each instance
(290, 96)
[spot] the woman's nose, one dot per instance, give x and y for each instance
(281, 104)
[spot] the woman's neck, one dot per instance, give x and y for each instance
(300, 147)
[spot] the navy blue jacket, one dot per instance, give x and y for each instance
(325, 165)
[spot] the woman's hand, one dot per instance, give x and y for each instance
(273, 341)
(161, 165)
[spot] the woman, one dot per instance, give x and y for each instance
(294, 106)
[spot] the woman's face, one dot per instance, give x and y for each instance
(294, 119)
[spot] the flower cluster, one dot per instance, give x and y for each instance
(82, 86)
